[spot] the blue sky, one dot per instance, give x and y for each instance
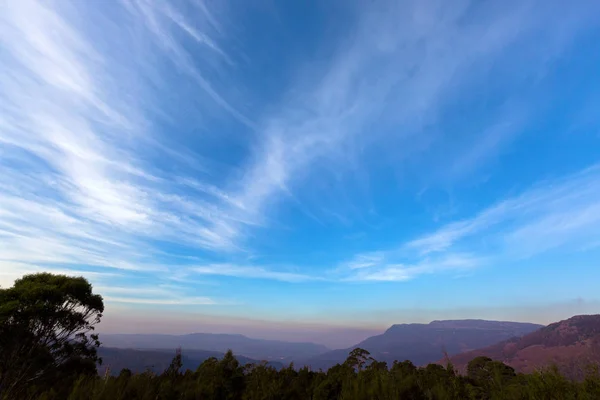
(323, 164)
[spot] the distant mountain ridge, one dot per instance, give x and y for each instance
(572, 344)
(241, 345)
(419, 343)
(157, 360)
(426, 343)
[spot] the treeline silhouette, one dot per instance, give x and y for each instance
(360, 377)
(48, 351)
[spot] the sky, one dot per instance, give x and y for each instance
(304, 170)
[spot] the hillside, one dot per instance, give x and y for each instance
(157, 360)
(426, 343)
(570, 344)
(244, 346)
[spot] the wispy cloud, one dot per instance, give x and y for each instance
(14, 270)
(155, 301)
(157, 294)
(159, 17)
(78, 186)
(366, 260)
(249, 271)
(403, 66)
(388, 268)
(562, 213)
(555, 213)
(128, 145)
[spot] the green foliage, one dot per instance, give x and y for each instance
(489, 377)
(226, 379)
(46, 325)
(358, 358)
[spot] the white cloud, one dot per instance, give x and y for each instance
(83, 110)
(388, 269)
(79, 190)
(248, 271)
(396, 71)
(154, 301)
(157, 17)
(11, 271)
(561, 212)
(366, 260)
(156, 294)
(152, 291)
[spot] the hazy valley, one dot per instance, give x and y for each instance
(524, 346)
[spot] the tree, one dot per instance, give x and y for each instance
(489, 376)
(46, 325)
(174, 369)
(358, 358)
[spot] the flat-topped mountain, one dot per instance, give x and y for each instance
(426, 343)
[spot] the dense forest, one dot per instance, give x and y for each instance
(48, 351)
(358, 378)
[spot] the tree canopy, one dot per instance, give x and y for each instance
(46, 331)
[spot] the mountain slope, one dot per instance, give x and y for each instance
(426, 343)
(240, 345)
(157, 360)
(571, 344)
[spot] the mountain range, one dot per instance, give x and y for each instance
(419, 343)
(571, 345)
(426, 343)
(241, 345)
(158, 360)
